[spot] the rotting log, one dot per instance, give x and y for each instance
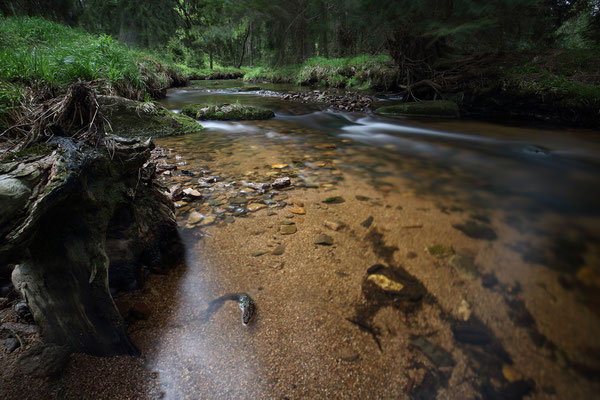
(60, 207)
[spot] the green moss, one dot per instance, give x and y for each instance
(129, 118)
(440, 108)
(226, 112)
(39, 149)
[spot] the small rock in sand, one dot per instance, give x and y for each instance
(324, 240)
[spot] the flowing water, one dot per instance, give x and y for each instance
(461, 258)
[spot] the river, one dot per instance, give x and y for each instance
(487, 237)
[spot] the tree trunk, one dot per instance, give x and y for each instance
(244, 47)
(324, 45)
(69, 202)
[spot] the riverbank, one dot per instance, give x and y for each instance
(558, 86)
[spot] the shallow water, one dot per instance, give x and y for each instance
(507, 305)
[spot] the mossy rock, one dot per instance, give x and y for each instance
(438, 108)
(130, 118)
(226, 112)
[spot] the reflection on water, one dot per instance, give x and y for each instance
(487, 236)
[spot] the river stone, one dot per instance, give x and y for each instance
(226, 112)
(130, 118)
(256, 206)
(334, 226)
(11, 344)
(334, 200)
(464, 265)
(279, 250)
(297, 210)
(21, 329)
(440, 250)
(435, 353)
(192, 192)
(476, 230)
(324, 240)
(194, 218)
(43, 361)
(367, 223)
(281, 183)
(287, 229)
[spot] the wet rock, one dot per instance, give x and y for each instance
(42, 361)
(464, 310)
(362, 198)
(279, 250)
(287, 229)
(194, 217)
(10, 344)
(192, 193)
(367, 223)
(536, 150)
(238, 200)
(297, 203)
(208, 220)
(324, 240)
(441, 250)
(279, 166)
(256, 206)
(23, 312)
(334, 200)
(334, 226)
(464, 265)
(129, 118)
(21, 329)
(229, 219)
(226, 112)
(476, 230)
(437, 355)
(281, 183)
(176, 193)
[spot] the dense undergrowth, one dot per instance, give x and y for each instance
(360, 72)
(39, 59)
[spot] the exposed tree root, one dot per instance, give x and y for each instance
(76, 114)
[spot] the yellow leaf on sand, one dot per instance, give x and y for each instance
(385, 283)
(297, 210)
(279, 166)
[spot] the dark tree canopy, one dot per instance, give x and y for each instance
(249, 32)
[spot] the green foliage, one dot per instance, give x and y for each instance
(33, 49)
(345, 72)
(10, 98)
